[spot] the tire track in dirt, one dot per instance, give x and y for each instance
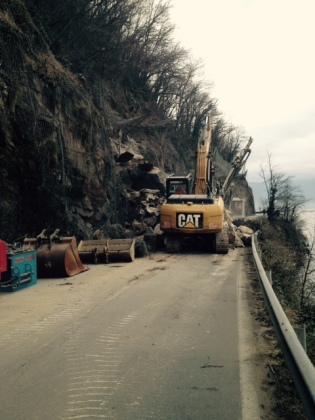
(94, 375)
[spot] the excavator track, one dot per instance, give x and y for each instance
(173, 244)
(221, 243)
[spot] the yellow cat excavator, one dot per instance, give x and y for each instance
(196, 210)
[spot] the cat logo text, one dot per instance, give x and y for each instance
(189, 220)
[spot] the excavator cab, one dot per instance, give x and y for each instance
(179, 185)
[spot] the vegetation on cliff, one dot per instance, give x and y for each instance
(288, 253)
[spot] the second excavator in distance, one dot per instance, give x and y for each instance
(196, 209)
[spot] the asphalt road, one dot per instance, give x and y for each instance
(164, 337)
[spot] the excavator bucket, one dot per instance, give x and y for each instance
(107, 250)
(120, 250)
(93, 251)
(56, 256)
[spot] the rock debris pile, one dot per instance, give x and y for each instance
(144, 211)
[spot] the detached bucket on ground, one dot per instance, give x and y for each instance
(56, 256)
(107, 250)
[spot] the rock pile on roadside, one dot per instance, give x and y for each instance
(144, 210)
(240, 231)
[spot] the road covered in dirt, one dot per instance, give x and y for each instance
(164, 337)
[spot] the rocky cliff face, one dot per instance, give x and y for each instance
(65, 140)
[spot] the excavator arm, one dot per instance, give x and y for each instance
(237, 165)
(204, 152)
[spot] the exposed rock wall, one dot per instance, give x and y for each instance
(59, 136)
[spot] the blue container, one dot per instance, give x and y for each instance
(21, 273)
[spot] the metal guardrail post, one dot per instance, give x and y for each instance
(301, 335)
(269, 275)
(299, 365)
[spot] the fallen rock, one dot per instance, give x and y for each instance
(245, 237)
(246, 230)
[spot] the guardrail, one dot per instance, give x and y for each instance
(297, 361)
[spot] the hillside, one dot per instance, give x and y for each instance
(67, 116)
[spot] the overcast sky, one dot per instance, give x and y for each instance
(260, 56)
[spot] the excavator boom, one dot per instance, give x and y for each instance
(204, 153)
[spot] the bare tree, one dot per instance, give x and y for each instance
(130, 43)
(285, 200)
(290, 200)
